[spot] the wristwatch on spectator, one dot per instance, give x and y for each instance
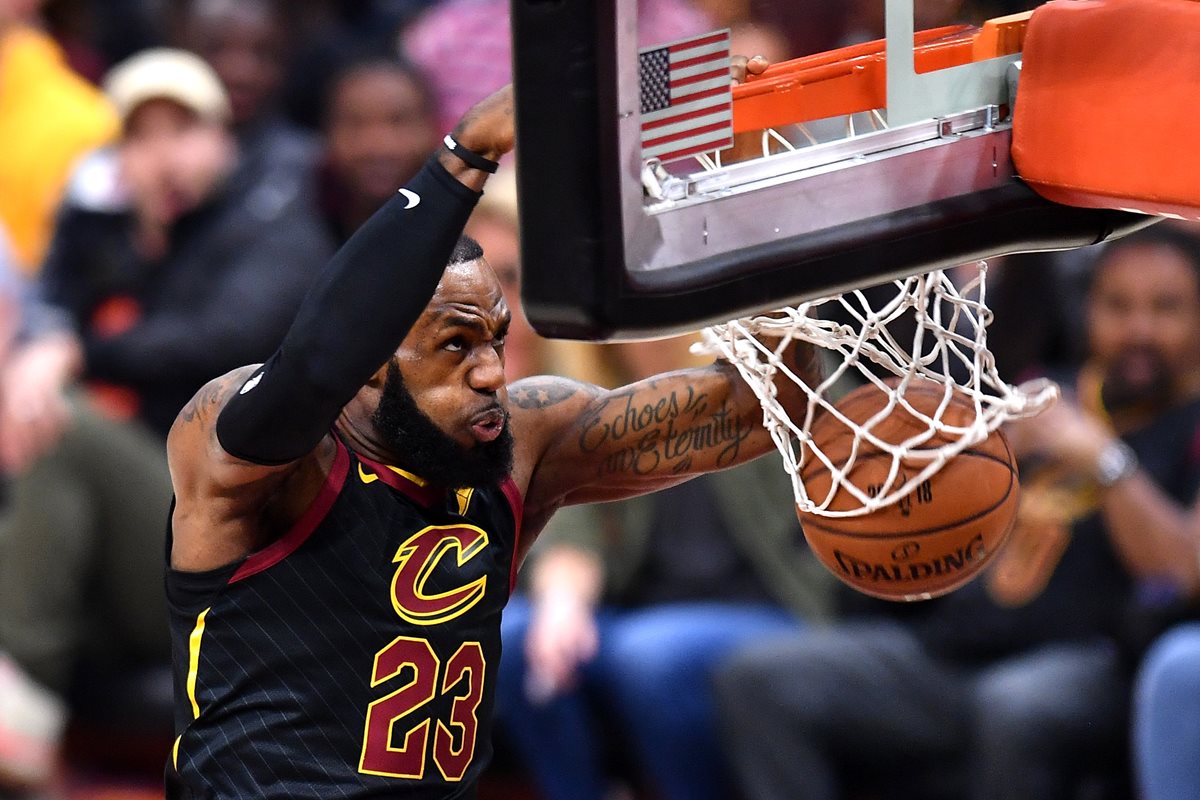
(1116, 462)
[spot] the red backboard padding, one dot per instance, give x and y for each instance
(1108, 107)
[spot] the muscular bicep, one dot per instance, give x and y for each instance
(224, 506)
(607, 445)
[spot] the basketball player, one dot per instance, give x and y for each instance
(350, 515)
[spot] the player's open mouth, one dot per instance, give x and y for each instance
(488, 426)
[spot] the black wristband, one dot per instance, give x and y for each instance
(469, 157)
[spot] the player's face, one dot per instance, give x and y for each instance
(424, 449)
(1144, 321)
(451, 366)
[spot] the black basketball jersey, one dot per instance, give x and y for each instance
(354, 657)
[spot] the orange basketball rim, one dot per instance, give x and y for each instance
(853, 79)
(1105, 112)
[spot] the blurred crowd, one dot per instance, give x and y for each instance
(173, 173)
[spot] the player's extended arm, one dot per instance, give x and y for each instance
(244, 435)
(363, 304)
(588, 445)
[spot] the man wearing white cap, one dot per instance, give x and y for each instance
(170, 264)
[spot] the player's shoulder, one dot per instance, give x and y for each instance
(541, 410)
(212, 396)
(193, 430)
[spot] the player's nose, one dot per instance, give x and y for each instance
(487, 374)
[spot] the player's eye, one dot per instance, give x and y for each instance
(455, 345)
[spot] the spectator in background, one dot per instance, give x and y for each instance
(465, 46)
(380, 126)
(166, 248)
(328, 34)
(172, 264)
(1166, 709)
(49, 117)
(99, 33)
(29, 715)
(247, 43)
(1018, 675)
(1166, 718)
(629, 607)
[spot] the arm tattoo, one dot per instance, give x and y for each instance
(537, 393)
(211, 394)
(663, 435)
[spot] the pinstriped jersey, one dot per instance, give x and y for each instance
(354, 657)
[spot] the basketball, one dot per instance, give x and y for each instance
(934, 539)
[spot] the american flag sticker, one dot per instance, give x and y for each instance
(687, 97)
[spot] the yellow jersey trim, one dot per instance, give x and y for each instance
(405, 474)
(194, 661)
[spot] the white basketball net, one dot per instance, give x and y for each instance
(951, 339)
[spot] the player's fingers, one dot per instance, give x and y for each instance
(741, 67)
(737, 68)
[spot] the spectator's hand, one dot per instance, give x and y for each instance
(562, 637)
(1064, 433)
(33, 408)
(489, 128)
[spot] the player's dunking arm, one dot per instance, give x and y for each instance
(579, 444)
(249, 452)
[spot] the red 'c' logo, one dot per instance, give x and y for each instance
(419, 556)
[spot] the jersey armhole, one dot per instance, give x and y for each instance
(517, 503)
(188, 591)
(303, 528)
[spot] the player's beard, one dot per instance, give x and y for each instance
(1138, 377)
(422, 448)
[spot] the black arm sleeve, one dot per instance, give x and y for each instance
(354, 317)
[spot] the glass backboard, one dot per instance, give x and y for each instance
(859, 160)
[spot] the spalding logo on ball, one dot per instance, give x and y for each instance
(932, 540)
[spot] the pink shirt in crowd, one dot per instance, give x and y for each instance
(465, 47)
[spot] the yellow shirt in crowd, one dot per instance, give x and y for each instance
(49, 117)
